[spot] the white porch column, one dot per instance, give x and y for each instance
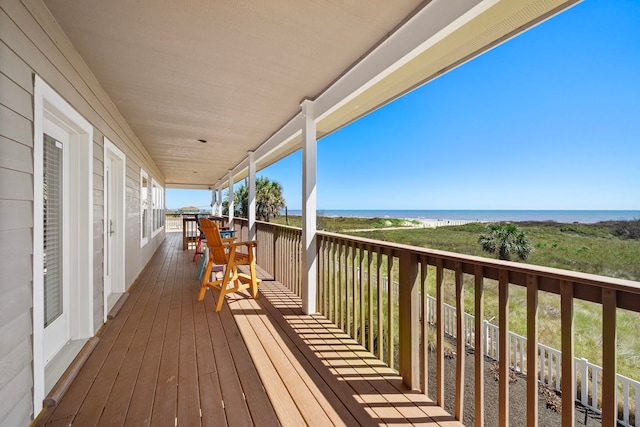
(219, 207)
(214, 201)
(230, 198)
(252, 196)
(308, 208)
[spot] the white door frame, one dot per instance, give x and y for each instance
(117, 261)
(51, 106)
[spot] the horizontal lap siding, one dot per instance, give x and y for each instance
(32, 43)
(20, 185)
(15, 156)
(17, 97)
(98, 230)
(132, 217)
(136, 263)
(14, 126)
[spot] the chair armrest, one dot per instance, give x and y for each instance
(249, 244)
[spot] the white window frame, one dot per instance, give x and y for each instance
(157, 208)
(49, 105)
(145, 203)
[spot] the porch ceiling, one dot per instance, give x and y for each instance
(234, 72)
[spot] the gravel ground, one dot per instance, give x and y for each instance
(517, 397)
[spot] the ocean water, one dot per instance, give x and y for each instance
(561, 216)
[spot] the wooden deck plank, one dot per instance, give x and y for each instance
(260, 407)
(262, 412)
(233, 398)
(336, 396)
(388, 383)
(210, 393)
(141, 404)
(353, 361)
(166, 390)
(116, 407)
(413, 405)
(140, 407)
(167, 358)
(283, 403)
(336, 357)
(294, 377)
(118, 365)
(68, 407)
(188, 389)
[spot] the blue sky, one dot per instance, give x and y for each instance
(547, 120)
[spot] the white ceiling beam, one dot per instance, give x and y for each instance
(430, 25)
(290, 131)
(189, 186)
(435, 21)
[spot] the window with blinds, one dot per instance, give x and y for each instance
(157, 204)
(52, 204)
(144, 207)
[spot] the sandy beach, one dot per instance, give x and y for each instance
(435, 223)
(424, 223)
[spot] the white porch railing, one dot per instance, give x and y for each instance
(173, 222)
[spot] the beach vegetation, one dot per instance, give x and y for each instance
(601, 248)
(269, 200)
(505, 240)
(342, 224)
(625, 229)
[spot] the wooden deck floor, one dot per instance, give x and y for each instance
(167, 359)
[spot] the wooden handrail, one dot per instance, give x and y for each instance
(358, 302)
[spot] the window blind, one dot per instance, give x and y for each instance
(52, 192)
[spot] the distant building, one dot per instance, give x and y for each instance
(189, 210)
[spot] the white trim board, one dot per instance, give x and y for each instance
(118, 272)
(49, 105)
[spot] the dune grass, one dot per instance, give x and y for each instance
(589, 248)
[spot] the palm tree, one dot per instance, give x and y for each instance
(505, 240)
(269, 200)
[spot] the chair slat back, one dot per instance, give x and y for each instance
(214, 241)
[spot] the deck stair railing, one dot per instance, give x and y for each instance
(352, 291)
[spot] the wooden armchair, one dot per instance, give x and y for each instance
(225, 252)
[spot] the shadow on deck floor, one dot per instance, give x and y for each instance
(167, 359)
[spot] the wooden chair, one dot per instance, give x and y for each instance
(199, 248)
(225, 252)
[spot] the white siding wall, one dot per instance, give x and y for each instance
(32, 43)
(98, 228)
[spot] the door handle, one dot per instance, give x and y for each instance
(111, 230)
